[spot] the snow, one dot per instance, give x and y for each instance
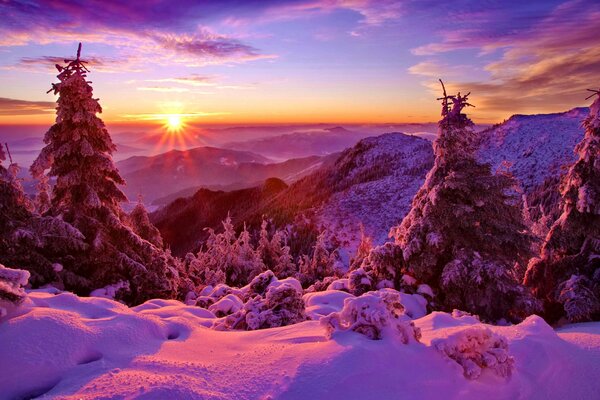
(68, 347)
(397, 165)
(535, 147)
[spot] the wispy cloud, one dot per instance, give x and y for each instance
(24, 107)
(370, 12)
(192, 80)
(162, 117)
(163, 89)
(100, 64)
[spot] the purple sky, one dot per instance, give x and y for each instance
(301, 61)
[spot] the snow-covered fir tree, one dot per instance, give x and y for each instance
(141, 225)
(567, 274)
(78, 153)
(275, 253)
(465, 230)
(320, 266)
(227, 258)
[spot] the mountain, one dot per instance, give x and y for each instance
(536, 149)
(175, 171)
(182, 223)
(371, 183)
(301, 144)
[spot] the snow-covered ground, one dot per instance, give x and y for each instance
(398, 164)
(536, 147)
(66, 347)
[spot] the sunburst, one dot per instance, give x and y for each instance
(174, 123)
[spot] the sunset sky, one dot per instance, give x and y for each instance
(333, 61)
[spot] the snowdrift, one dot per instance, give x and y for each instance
(58, 345)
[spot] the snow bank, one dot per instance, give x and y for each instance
(67, 347)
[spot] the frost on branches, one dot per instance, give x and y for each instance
(28, 240)
(78, 153)
(567, 274)
(376, 315)
(476, 348)
(226, 258)
(465, 231)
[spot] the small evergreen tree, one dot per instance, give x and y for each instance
(465, 230)
(567, 275)
(321, 264)
(141, 225)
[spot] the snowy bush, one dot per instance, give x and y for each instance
(579, 300)
(229, 304)
(321, 285)
(233, 259)
(281, 305)
(359, 282)
(260, 283)
(111, 291)
(11, 288)
(375, 315)
(384, 264)
(476, 348)
(339, 284)
(465, 284)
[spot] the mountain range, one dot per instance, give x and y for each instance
(372, 183)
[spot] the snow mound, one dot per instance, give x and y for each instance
(67, 347)
(375, 315)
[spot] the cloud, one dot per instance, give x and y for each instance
(371, 12)
(192, 80)
(205, 47)
(168, 32)
(544, 66)
(100, 64)
(163, 89)
(24, 107)
(162, 117)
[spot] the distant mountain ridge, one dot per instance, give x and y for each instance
(302, 144)
(536, 146)
(356, 183)
(158, 176)
(373, 183)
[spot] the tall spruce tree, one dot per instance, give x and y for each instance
(567, 275)
(465, 231)
(78, 153)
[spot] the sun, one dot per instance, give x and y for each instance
(174, 122)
